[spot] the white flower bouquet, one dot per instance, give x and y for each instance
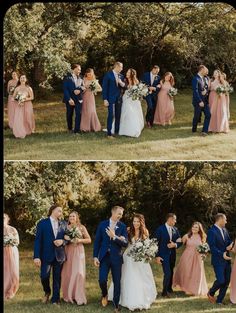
(137, 92)
(229, 89)
(203, 249)
(220, 90)
(20, 98)
(10, 240)
(172, 92)
(143, 250)
(94, 86)
(73, 233)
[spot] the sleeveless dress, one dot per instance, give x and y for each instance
(11, 105)
(190, 273)
(138, 289)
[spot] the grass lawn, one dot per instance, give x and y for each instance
(176, 142)
(27, 299)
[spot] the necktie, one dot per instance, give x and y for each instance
(222, 233)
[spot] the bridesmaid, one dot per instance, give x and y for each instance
(227, 95)
(190, 272)
(24, 123)
(11, 262)
(11, 103)
(219, 122)
(165, 110)
(89, 119)
(233, 279)
(73, 271)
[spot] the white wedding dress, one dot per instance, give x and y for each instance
(138, 289)
(131, 119)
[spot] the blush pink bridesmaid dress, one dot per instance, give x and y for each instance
(165, 110)
(11, 104)
(233, 281)
(11, 267)
(89, 119)
(24, 122)
(219, 122)
(190, 275)
(73, 274)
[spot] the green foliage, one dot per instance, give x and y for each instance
(194, 190)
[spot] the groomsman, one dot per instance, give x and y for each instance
(111, 237)
(49, 252)
(151, 79)
(73, 89)
(200, 100)
(220, 243)
(169, 240)
(206, 80)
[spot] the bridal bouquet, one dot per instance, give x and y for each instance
(20, 98)
(137, 92)
(229, 89)
(221, 89)
(172, 92)
(10, 240)
(203, 249)
(73, 233)
(143, 250)
(94, 86)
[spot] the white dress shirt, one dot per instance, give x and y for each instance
(169, 229)
(221, 230)
(54, 226)
(77, 80)
(152, 78)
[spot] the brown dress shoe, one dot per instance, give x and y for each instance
(45, 299)
(110, 137)
(211, 298)
(104, 301)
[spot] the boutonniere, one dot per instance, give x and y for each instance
(155, 77)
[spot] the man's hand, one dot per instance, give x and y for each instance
(152, 88)
(58, 242)
(71, 102)
(96, 262)
(204, 92)
(105, 103)
(110, 232)
(159, 260)
(37, 262)
(76, 92)
(67, 237)
(171, 245)
(201, 104)
(226, 257)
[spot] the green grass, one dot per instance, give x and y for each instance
(176, 142)
(27, 299)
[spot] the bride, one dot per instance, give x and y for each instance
(131, 119)
(138, 289)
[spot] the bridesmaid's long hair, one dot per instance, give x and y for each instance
(90, 70)
(201, 231)
(133, 76)
(143, 231)
(19, 83)
(78, 222)
(172, 80)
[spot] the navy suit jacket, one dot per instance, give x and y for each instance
(218, 245)
(103, 243)
(110, 91)
(146, 79)
(198, 86)
(44, 248)
(68, 90)
(163, 239)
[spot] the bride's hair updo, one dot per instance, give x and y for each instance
(143, 231)
(133, 76)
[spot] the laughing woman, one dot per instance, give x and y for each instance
(73, 271)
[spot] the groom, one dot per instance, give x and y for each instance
(169, 240)
(220, 243)
(113, 81)
(111, 236)
(151, 79)
(73, 89)
(49, 252)
(200, 100)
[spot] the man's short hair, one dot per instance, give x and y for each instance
(219, 216)
(170, 215)
(156, 67)
(74, 65)
(117, 63)
(116, 207)
(200, 67)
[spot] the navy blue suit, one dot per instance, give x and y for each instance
(112, 93)
(222, 268)
(168, 255)
(198, 86)
(50, 255)
(68, 88)
(151, 98)
(109, 252)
